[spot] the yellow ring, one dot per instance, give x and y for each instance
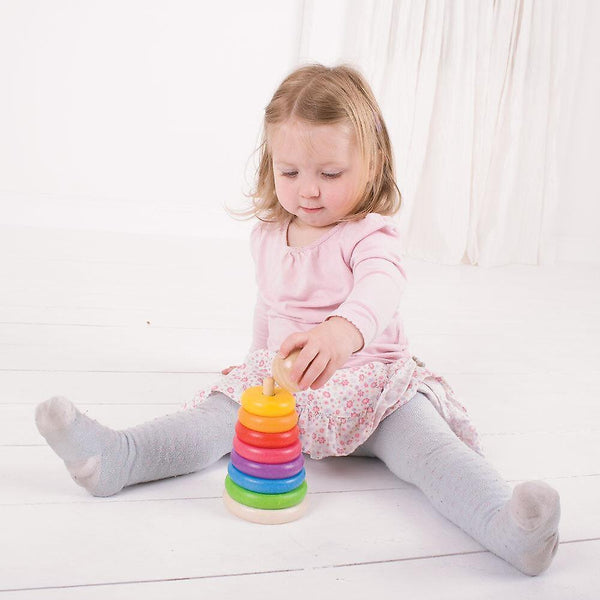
(280, 404)
(267, 424)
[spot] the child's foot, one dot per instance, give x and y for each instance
(530, 523)
(94, 455)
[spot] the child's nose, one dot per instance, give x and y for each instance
(309, 188)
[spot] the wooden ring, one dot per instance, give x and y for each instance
(266, 471)
(265, 486)
(265, 517)
(279, 404)
(265, 501)
(267, 440)
(268, 456)
(267, 424)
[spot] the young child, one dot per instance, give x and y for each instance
(330, 279)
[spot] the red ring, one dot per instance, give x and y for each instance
(268, 456)
(266, 440)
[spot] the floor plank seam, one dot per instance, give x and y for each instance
(448, 374)
(434, 556)
(22, 445)
(103, 501)
(94, 404)
(111, 372)
(245, 574)
(540, 432)
(271, 572)
(131, 326)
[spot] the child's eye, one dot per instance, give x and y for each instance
(332, 175)
(289, 173)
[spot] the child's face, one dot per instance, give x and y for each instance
(317, 170)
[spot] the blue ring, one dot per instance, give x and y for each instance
(265, 486)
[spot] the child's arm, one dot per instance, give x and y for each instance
(373, 302)
(379, 282)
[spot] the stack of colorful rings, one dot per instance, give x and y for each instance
(266, 478)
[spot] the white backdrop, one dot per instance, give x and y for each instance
(491, 111)
(135, 115)
(142, 116)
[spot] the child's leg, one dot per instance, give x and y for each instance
(418, 446)
(104, 461)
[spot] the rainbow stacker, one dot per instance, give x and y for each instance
(266, 478)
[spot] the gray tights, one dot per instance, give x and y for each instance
(414, 442)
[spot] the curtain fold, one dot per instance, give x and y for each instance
(472, 93)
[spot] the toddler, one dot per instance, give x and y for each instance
(330, 279)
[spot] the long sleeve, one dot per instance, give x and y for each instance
(352, 271)
(379, 282)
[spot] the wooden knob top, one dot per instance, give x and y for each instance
(281, 371)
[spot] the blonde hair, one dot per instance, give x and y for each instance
(320, 95)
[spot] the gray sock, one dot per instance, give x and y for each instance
(104, 461)
(520, 526)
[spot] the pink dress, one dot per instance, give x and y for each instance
(353, 271)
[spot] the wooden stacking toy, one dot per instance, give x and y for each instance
(266, 478)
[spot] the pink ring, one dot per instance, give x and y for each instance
(271, 456)
(256, 469)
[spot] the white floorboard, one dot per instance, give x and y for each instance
(472, 576)
(152, 540)
(129, 327)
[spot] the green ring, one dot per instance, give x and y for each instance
(265, 501)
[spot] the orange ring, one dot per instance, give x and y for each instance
(267, 424)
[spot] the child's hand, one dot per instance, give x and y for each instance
(325, 349)
(229, 369)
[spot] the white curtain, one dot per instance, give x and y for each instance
(472, 92)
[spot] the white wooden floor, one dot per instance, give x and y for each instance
(128, 327)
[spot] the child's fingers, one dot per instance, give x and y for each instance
(315, 370)
(291, 342)
(301, 364)
(324, 377)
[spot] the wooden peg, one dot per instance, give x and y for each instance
(268, 386)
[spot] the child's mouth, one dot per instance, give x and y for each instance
(311, 210)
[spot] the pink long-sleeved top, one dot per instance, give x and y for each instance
(352, 271)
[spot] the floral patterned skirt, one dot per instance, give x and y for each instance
(337, 418)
